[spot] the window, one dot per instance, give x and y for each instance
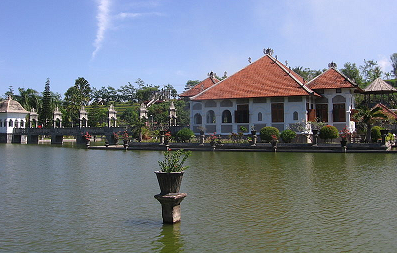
(22, 123)
(339, 113)
(1, 123)
(226, 116)
(295, 116)
(242, 114)
(338, 90)
(10, 123)
(16, 123)
(278, 112)
(197, 119)
(226, 103)
(211, 117)
(259, 116)
(322, 112)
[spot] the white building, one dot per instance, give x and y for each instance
(12, 115)
(268, 93)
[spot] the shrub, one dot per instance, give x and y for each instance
(185, 134)
(267, 133)
(375, 133)
(329, 132)
(287, 135)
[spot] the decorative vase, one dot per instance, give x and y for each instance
(384, 132)
(169, 182)
(201, 132)
(343, 143)
(253, 132)
(274, 144)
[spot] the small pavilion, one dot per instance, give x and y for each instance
(379, 92)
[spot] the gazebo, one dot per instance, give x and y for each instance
(380, 87)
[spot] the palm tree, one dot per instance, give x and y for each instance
(368, 117)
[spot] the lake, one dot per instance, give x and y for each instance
(66, 199)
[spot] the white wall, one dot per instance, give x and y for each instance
(14, 117)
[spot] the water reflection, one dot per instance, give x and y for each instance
(170, 239)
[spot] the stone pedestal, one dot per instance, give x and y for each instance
(202, 137)
(254, 140)
(171, 206)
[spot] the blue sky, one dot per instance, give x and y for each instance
(113, 42)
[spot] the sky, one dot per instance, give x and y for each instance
(113, 42)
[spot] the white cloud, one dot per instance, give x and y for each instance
(125, 15)
(103, 18)
(385, 64)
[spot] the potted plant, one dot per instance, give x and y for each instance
(125, 138)
(167, 137)
(213, 139)
(274, 140)
(171, 171)
(87, 138)
(344, 134)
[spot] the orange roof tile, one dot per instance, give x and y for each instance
(331, 79)
(386, 111)
(206, 83)
(265, 77)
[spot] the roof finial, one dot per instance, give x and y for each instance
(268, 51)
(332, 65)
(249, 59)
(286, 63)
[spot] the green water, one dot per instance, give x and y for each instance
(59, 199)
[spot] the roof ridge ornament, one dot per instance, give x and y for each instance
(332, 65)
(268, 51)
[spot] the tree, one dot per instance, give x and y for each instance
(127, 93)
(307, 73)
(130, 116)
(10, 92)
(46, 110)
(370, 71)
(190, 84)
(351, 71)
(368, 117)
(97, 116)
(28, 98)
(393, 59)
(75, 97)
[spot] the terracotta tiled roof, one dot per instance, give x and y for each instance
(380, 86)
(386, 111)
(331, 79)
(11, 106)
(206, 83)
(265, 77)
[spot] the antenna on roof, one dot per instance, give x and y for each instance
(249, 59)
(286, 63)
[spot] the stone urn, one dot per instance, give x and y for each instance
(169, 182)
(343, 143)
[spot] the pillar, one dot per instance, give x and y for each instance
(171, 206)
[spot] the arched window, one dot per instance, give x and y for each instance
(1, 123)
(5, 123)
(226, 116)
(197, 119)
(22, 124)
(295, 116)
(10, 123)
(210, 117)
(16, 123)
(259, 116)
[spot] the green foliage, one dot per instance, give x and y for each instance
(45, 113)
(351, 71)
(185, 134)
(375, 133)
(97, 116)
(328, 132)
(307, 73)
(287, 135)
(268, 133)
(130, 116)
(191, 83)
(173, 161)
(243, 129)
